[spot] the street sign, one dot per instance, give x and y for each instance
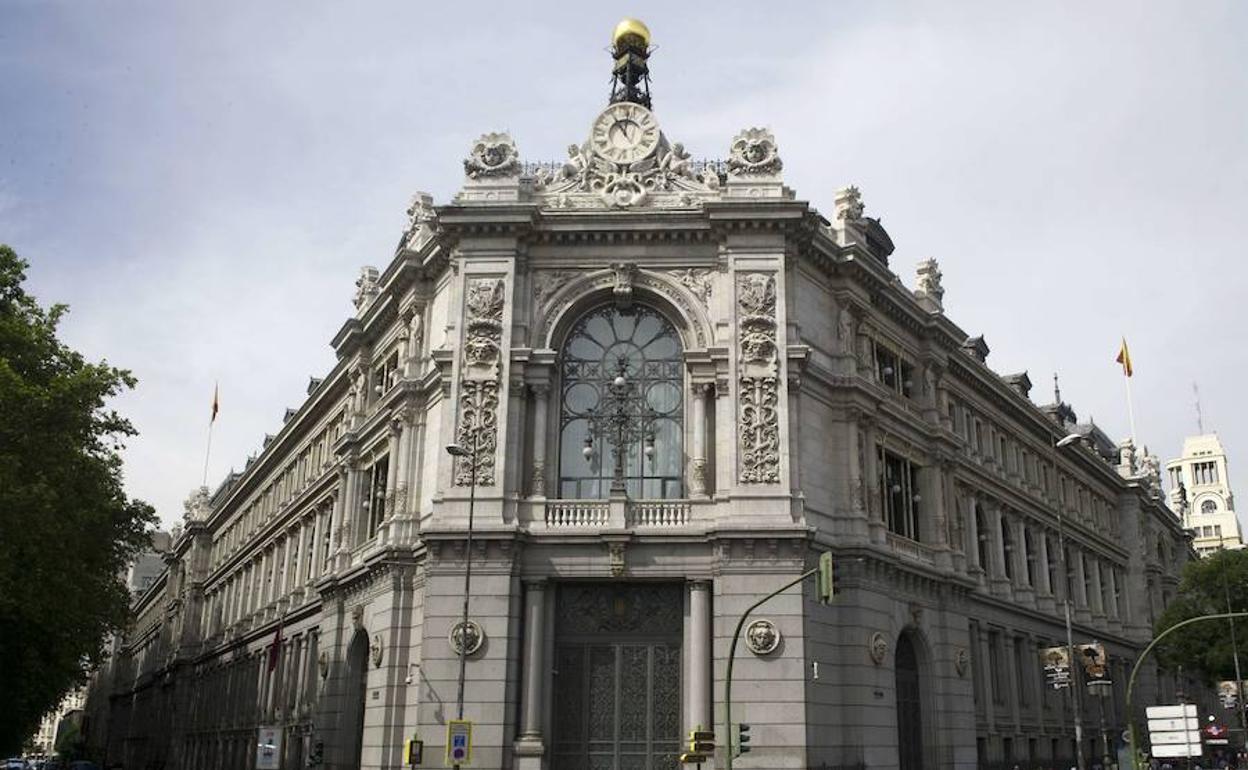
(1169, 712)
(269, 748)
(1163, 725)
(459, 742)
(413, 751)
(1174, 736)
(1166, 750)
(1174, 731)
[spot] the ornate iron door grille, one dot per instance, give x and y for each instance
(617, 677)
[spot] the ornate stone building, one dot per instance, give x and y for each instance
(682, 383)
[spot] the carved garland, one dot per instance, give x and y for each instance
(479, 378)
(758, 398)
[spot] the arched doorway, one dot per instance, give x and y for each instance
(909, 706)
(355, 687)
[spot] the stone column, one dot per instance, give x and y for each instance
(541, 394)
(972, 529)
(1022, 559)
(697, 475)
(700, 655)
(1113, 594)
(875, 518)
(1000, 583)
(347, 507)
(529, 746)
(301, 558)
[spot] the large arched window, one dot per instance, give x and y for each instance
(641, 346)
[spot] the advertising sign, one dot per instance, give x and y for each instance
(1228, 693)
(268, 747)
(1056, 664)
(1092, 656)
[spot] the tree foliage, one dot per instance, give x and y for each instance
(1208, 585)
(67, 528)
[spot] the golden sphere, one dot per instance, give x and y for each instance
(631, 32)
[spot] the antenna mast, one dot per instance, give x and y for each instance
(1200, 420)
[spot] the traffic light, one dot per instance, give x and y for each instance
(827, 578)
(741, 739)
(701, 746)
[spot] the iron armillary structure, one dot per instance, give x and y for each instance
(622, 417)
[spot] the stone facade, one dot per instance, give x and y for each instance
(822, 406)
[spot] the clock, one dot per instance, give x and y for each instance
(1208, 506)
(625, 133)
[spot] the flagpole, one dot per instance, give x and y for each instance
(216, 388)
(208, 453)
(1130, 409)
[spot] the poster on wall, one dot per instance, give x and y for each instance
(268, 748)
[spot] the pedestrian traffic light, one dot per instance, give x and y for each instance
(826, 578)
(741, 739)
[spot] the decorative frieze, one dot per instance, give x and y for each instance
(758, 397)
(479, 379)
(698, 282)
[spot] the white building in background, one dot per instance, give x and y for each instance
(1200, 490)
(45, 739)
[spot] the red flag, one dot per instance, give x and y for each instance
(216, 404)
(276, 649)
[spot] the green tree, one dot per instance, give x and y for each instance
(1207, 586)
(67, 528)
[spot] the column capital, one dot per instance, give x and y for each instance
(535, 583)
(699, 584)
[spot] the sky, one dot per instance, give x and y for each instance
(201, 182)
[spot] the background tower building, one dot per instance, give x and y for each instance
(1200, 491)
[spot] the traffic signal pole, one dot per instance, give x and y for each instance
(732, 651)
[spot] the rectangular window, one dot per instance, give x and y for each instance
(886, 366)
(899, 491)
(375, 495)
(1023, 668)
(995, 668)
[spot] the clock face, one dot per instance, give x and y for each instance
(625, 133)
(1208, 506)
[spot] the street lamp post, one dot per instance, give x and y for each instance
(471, 456)
(1070, 638)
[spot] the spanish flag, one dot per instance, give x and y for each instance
(1124, 358)
(216, 404)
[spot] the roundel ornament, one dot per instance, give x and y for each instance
(625, 133)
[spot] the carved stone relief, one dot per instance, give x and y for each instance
(961, 661)
(754, 153)
(698, 282)
(639, 278)
(479, 379)
(878, 648)
(758, 396)
(366, 287)
(468, 636)
(547, 282)
(762, 637)
(493, 155)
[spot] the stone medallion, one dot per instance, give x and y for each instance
(762, 637)
(471, 630)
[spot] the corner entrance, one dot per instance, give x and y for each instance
(617, 676)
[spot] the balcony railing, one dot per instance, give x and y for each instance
(639, 514)
(911, 549)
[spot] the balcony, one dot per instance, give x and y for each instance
(910, 549)
(566, 515)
